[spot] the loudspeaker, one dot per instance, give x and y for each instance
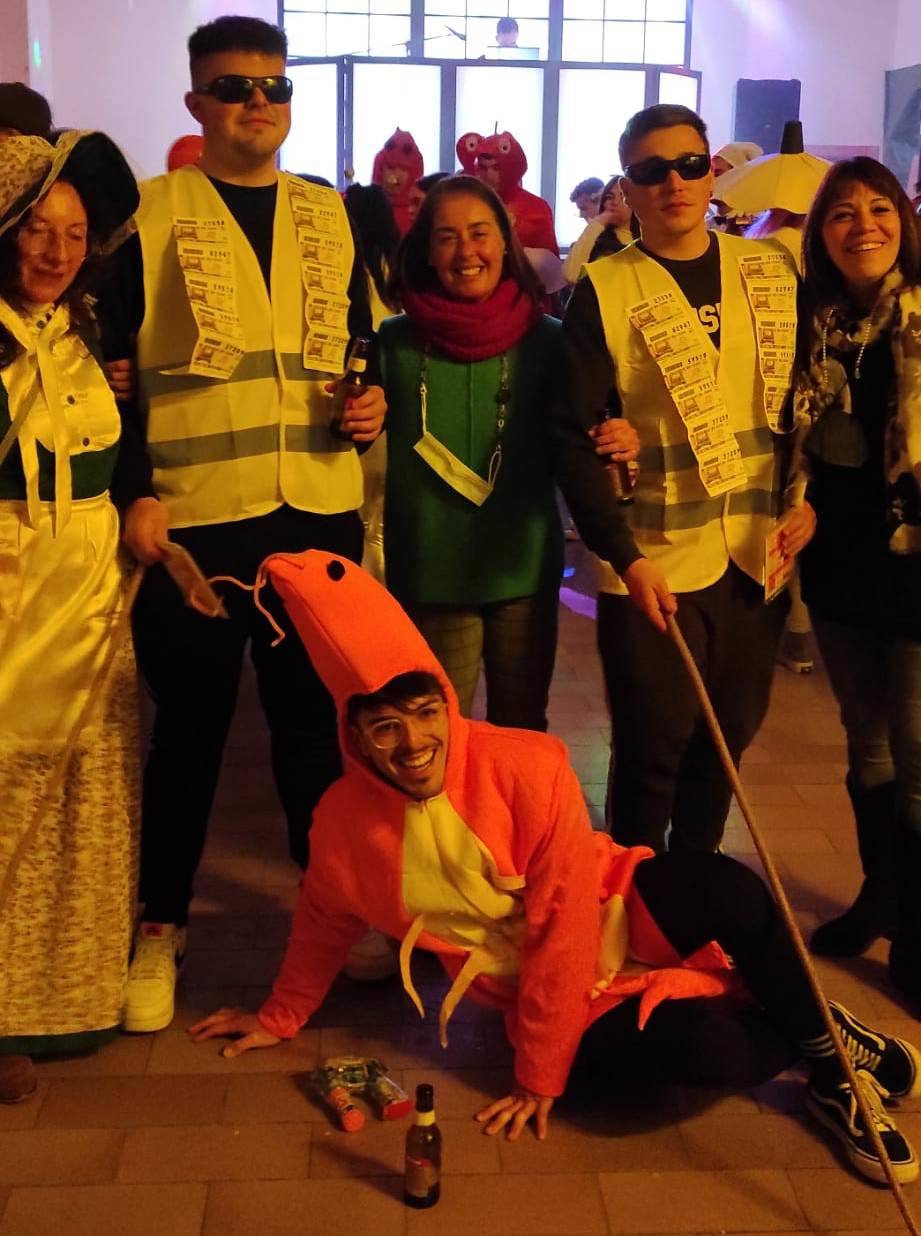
(762, 108)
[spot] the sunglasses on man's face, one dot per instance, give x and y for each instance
(234, 88)
(654, 171)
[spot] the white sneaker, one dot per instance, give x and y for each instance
(150, 992)
(373, 958)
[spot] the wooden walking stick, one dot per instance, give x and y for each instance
(789, 921)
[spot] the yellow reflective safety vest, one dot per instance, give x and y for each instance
(691, 535)
(231, 447)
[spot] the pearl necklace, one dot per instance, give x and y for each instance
(864, 339)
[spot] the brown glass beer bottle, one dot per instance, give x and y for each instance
(422, 1180)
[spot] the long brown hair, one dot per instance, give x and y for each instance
(824, 283)
(412, 269)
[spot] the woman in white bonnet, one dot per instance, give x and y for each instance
(67, 858)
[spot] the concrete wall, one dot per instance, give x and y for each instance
(122, 66)
(838, 54)
(14, 41)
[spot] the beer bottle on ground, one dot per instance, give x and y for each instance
(422, 1180)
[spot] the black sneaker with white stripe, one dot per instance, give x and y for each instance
(833, 1104)
(895, 1064)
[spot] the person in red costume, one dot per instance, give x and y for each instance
(186, 149)
(474, 842)
(397, 167)
(500, 161)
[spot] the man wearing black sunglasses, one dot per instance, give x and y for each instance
(243, 290)
(674, 333)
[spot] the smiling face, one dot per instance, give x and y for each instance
(51, 245)
(239, 137)
(862, 233)
(675, 210)
(613, 203)
(407, 745)
(467, 248)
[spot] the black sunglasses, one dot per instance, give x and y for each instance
(655, 170)
(234, 88)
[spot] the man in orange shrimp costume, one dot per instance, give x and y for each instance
(500, 162)
(397, 167)
(474, 842)
(477, 846)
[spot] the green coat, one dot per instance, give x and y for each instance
(440, 548)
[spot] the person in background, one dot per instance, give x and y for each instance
(186, 149)
(506, 32)
(474, 843)
(611, 230)
(377, 238)
(665, 335)
(728, 157)
(472, 536)
(732, 155)
(68, 855)
(23, 112)
(859, 391)
(420, 188)
(586, 197)
(229, 453)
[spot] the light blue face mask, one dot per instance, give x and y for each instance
(453, 471)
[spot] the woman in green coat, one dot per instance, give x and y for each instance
(473, 542)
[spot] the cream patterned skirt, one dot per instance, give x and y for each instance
(68, 868)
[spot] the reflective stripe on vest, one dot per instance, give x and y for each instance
(226, 449)
(688, 534)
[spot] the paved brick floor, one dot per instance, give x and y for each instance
(157, 1137)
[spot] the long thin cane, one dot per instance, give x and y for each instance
(56, 780)
(789, 921)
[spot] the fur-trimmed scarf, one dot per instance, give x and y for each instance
(824, 405)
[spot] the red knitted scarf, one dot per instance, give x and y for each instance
(472, 330)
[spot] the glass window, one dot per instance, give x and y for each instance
(486, 8)
(530, 8)
(306, 34)
(623, 42)
(311, 144)
(582, 40)
(346, 34)
(446, 37)
(513, 98)
(678, 88)
(395, 96)
(666, 10)
(664, 42)
(595, 104)
(389, 36)
(302, 6)
(390, 6)
(584, 8)
(625, 10)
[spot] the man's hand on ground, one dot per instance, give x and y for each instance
(233, 1022)
(513, 1112)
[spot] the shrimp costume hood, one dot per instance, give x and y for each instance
(500, 874)
(397, 166)
(531, 216)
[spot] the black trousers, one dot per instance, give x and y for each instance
(192, 665)
(665, 766)
(694, 898)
